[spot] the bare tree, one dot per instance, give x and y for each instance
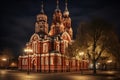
(7, 53)
(95, 38)
(71, 50)
(115, 48)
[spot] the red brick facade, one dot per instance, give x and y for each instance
(48, 47)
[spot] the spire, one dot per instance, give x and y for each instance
(66, 12)
(42, 10)
(66, 9)
(57, 6)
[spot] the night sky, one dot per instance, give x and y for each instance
(17, 17)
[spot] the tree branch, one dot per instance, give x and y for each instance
(99, 54)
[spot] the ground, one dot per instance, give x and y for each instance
(87, 75)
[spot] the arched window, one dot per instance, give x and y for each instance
(73, 62)
(25, 62)
(36, 47)
(42, 60)
(57, 48)
(35, 43)
(59, 60)
(46, 61)
(45, 47)
(51, 60)
(22, 61)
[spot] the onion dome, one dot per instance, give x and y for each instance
(42, 16)
(57, 10)
(57, 16)
(57, 6)
(66, 12)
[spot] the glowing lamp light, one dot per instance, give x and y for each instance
(81, 53)
(109, 61)
(98, 63)
(28, 50)
(4, 59)
(13, 64)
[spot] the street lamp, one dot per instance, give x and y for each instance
(109, 61)
(4, 62)
(28, 51)
(4, 59)
(81, 55)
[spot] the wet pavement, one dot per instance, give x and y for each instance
(87, 75)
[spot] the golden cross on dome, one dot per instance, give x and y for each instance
(42, 10)
(66, 5)
(57, 7)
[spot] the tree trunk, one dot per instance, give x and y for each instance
(94, 67)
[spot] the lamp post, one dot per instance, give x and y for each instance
(81, 55)
(4, 59)
(4, 62)
(109, 64)
(28, 51)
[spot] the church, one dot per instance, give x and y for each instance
(46, 49)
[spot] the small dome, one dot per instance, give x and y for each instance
(57, 7)
(57, 10)
(66, 13)
(42, 17)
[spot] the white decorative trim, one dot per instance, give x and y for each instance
(46, 60)
(24, 56)
(58, 54)
(38, 54)
(57, 47)
(44, 41)
(51, 54)
(33, 36)
(66, 36)
(45, 47)
(24, 61)
(36, 47)
(51, 60)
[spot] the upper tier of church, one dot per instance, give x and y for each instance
(60, 26)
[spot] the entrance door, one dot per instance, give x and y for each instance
(34, 66)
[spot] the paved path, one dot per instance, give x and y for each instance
(87, 75)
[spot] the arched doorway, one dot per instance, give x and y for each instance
(33, 65)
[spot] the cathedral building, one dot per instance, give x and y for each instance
(45, 51)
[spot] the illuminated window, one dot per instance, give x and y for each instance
(45, 47)
(36, 47)
(22, 61)
(59, 61)
(73, 62)
(46, 61)
(25, 62)
(42, 60)
(57, 47)
(51, 60)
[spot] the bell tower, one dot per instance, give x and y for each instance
(41, 24)
(57, 26)
(67, 20)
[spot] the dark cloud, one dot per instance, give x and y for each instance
(17, 17)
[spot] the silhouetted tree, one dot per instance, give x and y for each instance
(95, 37)
(115, 48)
(8, 54)
(71, 50)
